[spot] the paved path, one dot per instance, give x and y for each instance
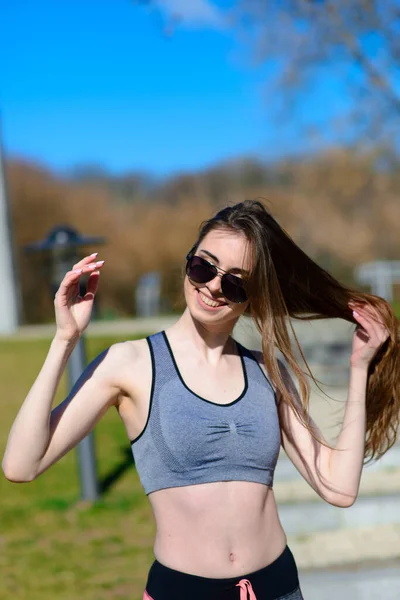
(99, 328)
(378, 583)
(324, 549)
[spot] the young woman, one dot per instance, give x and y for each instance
(206, 417)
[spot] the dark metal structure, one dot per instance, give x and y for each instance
(63, 243)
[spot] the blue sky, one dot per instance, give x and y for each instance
(100, 82)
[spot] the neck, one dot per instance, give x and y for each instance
(208, 339)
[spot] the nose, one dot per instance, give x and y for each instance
(214, 286)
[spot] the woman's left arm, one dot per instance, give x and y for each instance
(335, 473)
(345, 465)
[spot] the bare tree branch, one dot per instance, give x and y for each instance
(349, 46)
(355, 43)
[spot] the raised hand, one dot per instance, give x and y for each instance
(73, 311)
(369, 335)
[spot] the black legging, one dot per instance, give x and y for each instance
(277, 581)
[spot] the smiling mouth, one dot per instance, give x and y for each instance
(209, 302)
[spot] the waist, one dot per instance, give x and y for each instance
(217, 528)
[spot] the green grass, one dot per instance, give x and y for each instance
(396, 306)
(51, 544)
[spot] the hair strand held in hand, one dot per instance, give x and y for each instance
(295, 286)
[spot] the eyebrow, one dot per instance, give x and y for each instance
(215, 259)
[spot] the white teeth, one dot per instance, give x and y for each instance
(208, 301)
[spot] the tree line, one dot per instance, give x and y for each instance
(342, 207)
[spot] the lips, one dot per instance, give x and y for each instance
(211, 303)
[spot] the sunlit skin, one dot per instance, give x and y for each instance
(236, 521)
(231, 250)
(215, 529)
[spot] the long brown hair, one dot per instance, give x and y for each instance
(285, 282)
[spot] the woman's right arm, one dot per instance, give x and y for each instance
(39, 437)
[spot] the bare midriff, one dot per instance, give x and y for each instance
(222, 529)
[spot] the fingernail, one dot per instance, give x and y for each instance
(355, 313)
(99, 263)
(93, 255)
(77, 271)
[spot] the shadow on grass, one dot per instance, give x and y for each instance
(106, 500)
(108, 480)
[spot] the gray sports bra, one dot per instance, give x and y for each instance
(189, 440)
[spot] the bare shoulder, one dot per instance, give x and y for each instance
(130, 357)
(123, 353)
(130, 366)
(133, 363)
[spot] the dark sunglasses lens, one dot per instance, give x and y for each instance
(199, 270)
(232, 288)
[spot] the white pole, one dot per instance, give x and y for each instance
(383, 283)
(380, 275)
(9, 297)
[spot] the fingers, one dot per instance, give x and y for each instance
(371, 322)
(70, 284)
(376, 323)
(86, 260)
(92, 285)
(86, 268)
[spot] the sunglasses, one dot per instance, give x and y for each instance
(200, 270)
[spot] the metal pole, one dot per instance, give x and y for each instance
(62, 262)
(9, 294)
(63, 243)
(86, 448)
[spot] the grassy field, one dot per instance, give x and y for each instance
(53, 546)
